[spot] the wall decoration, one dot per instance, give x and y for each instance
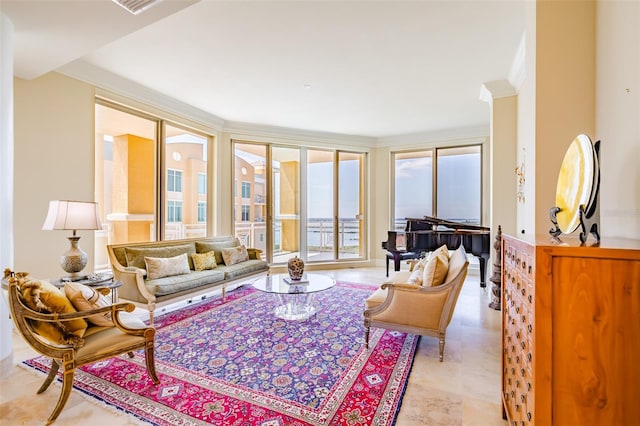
(519, 171)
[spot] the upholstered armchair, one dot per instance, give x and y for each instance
(423, 308)
(70, 339)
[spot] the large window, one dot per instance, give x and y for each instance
(453, 192)
(151, 178)
(460, 184)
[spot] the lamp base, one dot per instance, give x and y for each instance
(74, 260)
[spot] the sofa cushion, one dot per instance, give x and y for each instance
(243, 268)
(44, 297)
(217, 246)
(177, 283)
(136, 255)
(204, 261)
(85, 298)
(159, 267)
(234, 255)
(436, 268)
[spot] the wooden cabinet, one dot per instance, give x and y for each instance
(571, 331)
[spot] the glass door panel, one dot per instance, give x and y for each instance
(125, 177)
(185, 184)
(250, 195)
(320, 205)
(350, 205)
(285, 175)
(413, 180)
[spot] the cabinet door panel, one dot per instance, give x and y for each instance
(596, 316)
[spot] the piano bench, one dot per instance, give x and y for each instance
(399, 257)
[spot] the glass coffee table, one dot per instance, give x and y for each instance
(295, 300)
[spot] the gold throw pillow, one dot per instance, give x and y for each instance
(44, 297)
(203, 261)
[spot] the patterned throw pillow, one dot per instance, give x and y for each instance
(204, 261)
(84, 298)
(44, 297)
(234, 255)
(160, 267)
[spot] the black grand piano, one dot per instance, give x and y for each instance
(429, 233)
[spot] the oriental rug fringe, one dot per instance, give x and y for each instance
(235, 363)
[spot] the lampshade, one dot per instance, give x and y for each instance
(72, 215)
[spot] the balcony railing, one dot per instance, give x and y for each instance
(320, 236)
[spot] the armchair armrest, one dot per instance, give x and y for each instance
(114, 309)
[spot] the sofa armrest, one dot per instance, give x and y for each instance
(133, 287)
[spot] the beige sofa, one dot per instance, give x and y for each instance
(423, 308)
(130, 266)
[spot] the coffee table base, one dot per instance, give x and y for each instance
(294, 307)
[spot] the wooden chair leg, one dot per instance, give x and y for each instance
(67, 386)
(441, 349)
(52, 375)
(366, 337)
(150, 361)
(131, 355)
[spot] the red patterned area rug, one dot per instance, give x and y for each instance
(235, 363)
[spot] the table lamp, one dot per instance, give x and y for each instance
(74, 216)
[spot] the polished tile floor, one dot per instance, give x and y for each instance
(462, 390)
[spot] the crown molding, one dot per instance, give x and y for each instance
(444, 137)
(517, 71)
(108, 81)
(240, 130)
(495, 90)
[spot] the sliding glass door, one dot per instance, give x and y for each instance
(312, 204)
(320, 205)
(349, 226)
(185, 203)
(125, 174)
(285, 184)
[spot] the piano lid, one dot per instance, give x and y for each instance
(431, 222)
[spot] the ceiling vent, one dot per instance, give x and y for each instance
(136, 6)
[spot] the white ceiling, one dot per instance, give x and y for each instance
(377, 69)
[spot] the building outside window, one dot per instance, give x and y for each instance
(174, 180)
(202, 183)
(174, 211)
(246, 190)
(202, 211)
(246, 213)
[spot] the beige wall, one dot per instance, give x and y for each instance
(581, 57)
(618, 116)
(54, 152)
(565, 91)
